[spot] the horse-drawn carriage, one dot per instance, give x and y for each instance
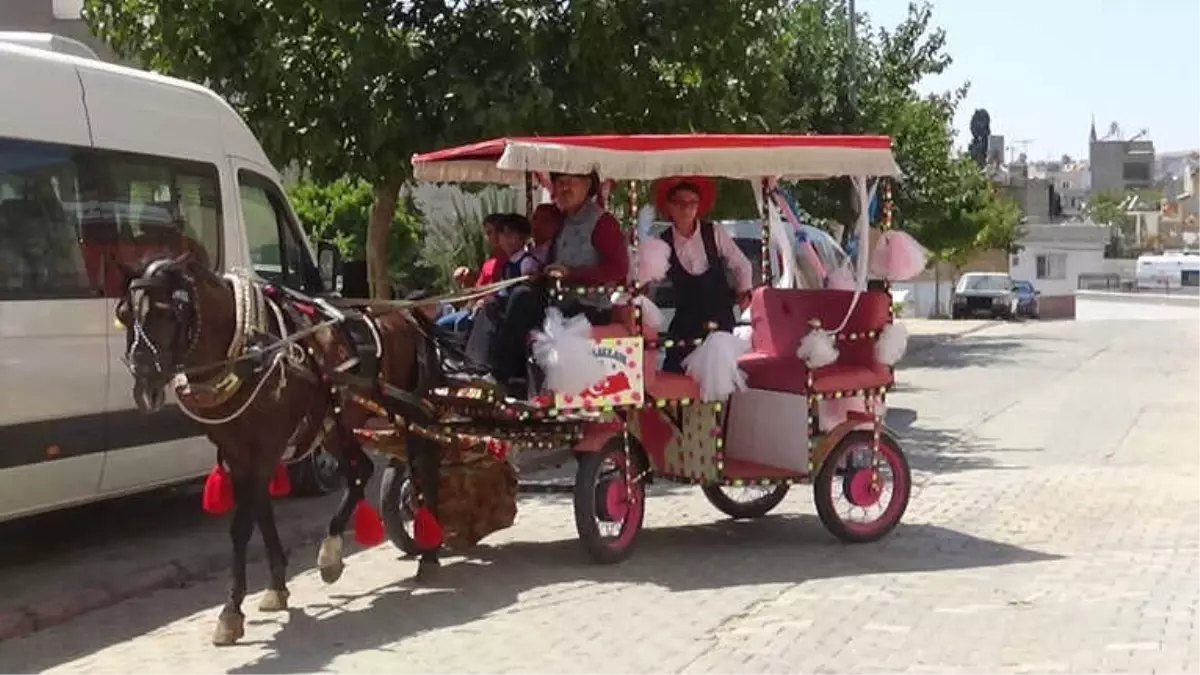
(271, 370)
(759, 418)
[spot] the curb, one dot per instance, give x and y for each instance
(26, 620)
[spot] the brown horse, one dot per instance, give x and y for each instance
(218, 341)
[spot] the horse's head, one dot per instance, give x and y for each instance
(159, 310)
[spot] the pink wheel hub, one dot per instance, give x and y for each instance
(616, 500)
(864, 486)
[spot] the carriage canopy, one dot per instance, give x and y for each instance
(648, 157)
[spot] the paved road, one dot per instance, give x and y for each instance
(1054, 528)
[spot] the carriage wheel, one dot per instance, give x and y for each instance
(395, 506)
(752, 501)
(608, 509)
(861, 494)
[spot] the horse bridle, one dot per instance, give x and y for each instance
(183, 306)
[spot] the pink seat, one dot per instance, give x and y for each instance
(780, 319)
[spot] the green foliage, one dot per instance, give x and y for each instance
(353, 89)
(338, 212)
(457, 239)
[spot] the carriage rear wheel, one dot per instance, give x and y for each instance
(608, 508)
(395, 506)
(755, 501)
(861, 494)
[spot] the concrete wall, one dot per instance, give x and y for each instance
(1108, 159)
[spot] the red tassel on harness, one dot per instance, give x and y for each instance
(281, 482)
(218, 492)
(427, 533)
(368, 526)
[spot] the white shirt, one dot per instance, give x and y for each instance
(691, 254)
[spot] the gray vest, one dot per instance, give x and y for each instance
(573, 246)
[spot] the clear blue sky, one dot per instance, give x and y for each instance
(1042, 68)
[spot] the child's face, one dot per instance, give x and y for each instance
(510, 242)
(490, 234)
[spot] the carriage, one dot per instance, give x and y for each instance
(801, 401)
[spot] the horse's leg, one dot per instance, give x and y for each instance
(276, 597)
(427, 475)
(231, 625)
(356, 469)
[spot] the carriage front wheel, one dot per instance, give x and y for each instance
(861, 493)
(757, 501)
(395, 506)
(610, 501)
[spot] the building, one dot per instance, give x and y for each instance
(61, 17)
(1120, 165)
(1052, 257)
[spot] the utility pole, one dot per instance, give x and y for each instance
(852, 110)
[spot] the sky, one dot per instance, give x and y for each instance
(1043, 68)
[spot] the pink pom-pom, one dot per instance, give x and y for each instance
(654, 258)
(897, 256)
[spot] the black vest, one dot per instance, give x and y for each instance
(700, 298)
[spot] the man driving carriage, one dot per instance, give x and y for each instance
(587, 249)
(703, 259)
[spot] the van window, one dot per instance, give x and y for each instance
(277, 252)
(71, 219)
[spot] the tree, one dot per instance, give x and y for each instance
(339, 212)
(343, 88)
(355, 88)
(891, 63)
(981, 131)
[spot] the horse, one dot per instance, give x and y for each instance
(256, 366)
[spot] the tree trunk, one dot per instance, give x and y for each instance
(937, 290)
(383, 210)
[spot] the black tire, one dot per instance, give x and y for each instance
(827, 477)
(316, 475)
(395, 506)
(756, 508)
(587, 511)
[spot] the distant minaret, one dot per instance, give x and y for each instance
(1092, 136)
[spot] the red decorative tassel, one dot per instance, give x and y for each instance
(218, 492)
(427, 533)
(368, 526)
(281, 483)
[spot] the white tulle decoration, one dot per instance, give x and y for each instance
(652, 316)
(563, 349)
(817, 349)
(654, 259)
(714, 365)
(892, 343)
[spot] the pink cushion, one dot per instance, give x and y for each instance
(780, 318)
(774, 373)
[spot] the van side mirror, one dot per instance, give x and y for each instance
(329, 264)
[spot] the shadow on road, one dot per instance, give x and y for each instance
(682, 559)
(778, 549)
(940, 450)
(973, 351)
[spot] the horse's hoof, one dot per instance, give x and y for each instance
(230, 629)
(274, 601)
(332, 573)
(329, 559)
(427, 571)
